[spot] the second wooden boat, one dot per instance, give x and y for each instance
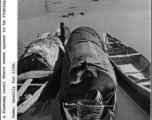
(41, 60)
(132, 65)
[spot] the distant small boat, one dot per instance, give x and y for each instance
(130, 64)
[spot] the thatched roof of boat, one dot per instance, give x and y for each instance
(47, 47)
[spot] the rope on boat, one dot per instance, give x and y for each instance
(109, 99)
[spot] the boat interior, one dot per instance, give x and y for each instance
(130, 62)
(31, 87)
(119, 49)
(134, 66)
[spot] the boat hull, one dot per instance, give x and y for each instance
(86, 68)
(37, 66)
(131, 65)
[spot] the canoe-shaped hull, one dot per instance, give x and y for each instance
(131, 65)
(39, 63)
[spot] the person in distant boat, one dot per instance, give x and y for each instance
(62, 34)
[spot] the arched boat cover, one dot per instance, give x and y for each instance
(44, 53)
(84, 46)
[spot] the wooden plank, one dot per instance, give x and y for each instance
(127, 55)
(67, 114)
(20, 84)
(112, 49)
(29, 102)
(34, 74)
(144, 80)
(129, 73)
(23, 88)
(104, 35)
(144, 83)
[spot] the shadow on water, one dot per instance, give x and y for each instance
(51, 90)
(138, 98)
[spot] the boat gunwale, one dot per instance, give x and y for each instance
(127, 55)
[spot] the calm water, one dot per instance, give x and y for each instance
(129, 21)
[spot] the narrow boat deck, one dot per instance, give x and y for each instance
(133, 71)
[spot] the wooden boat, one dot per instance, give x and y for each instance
(86, 75)
(41, 60)
(130, 64)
